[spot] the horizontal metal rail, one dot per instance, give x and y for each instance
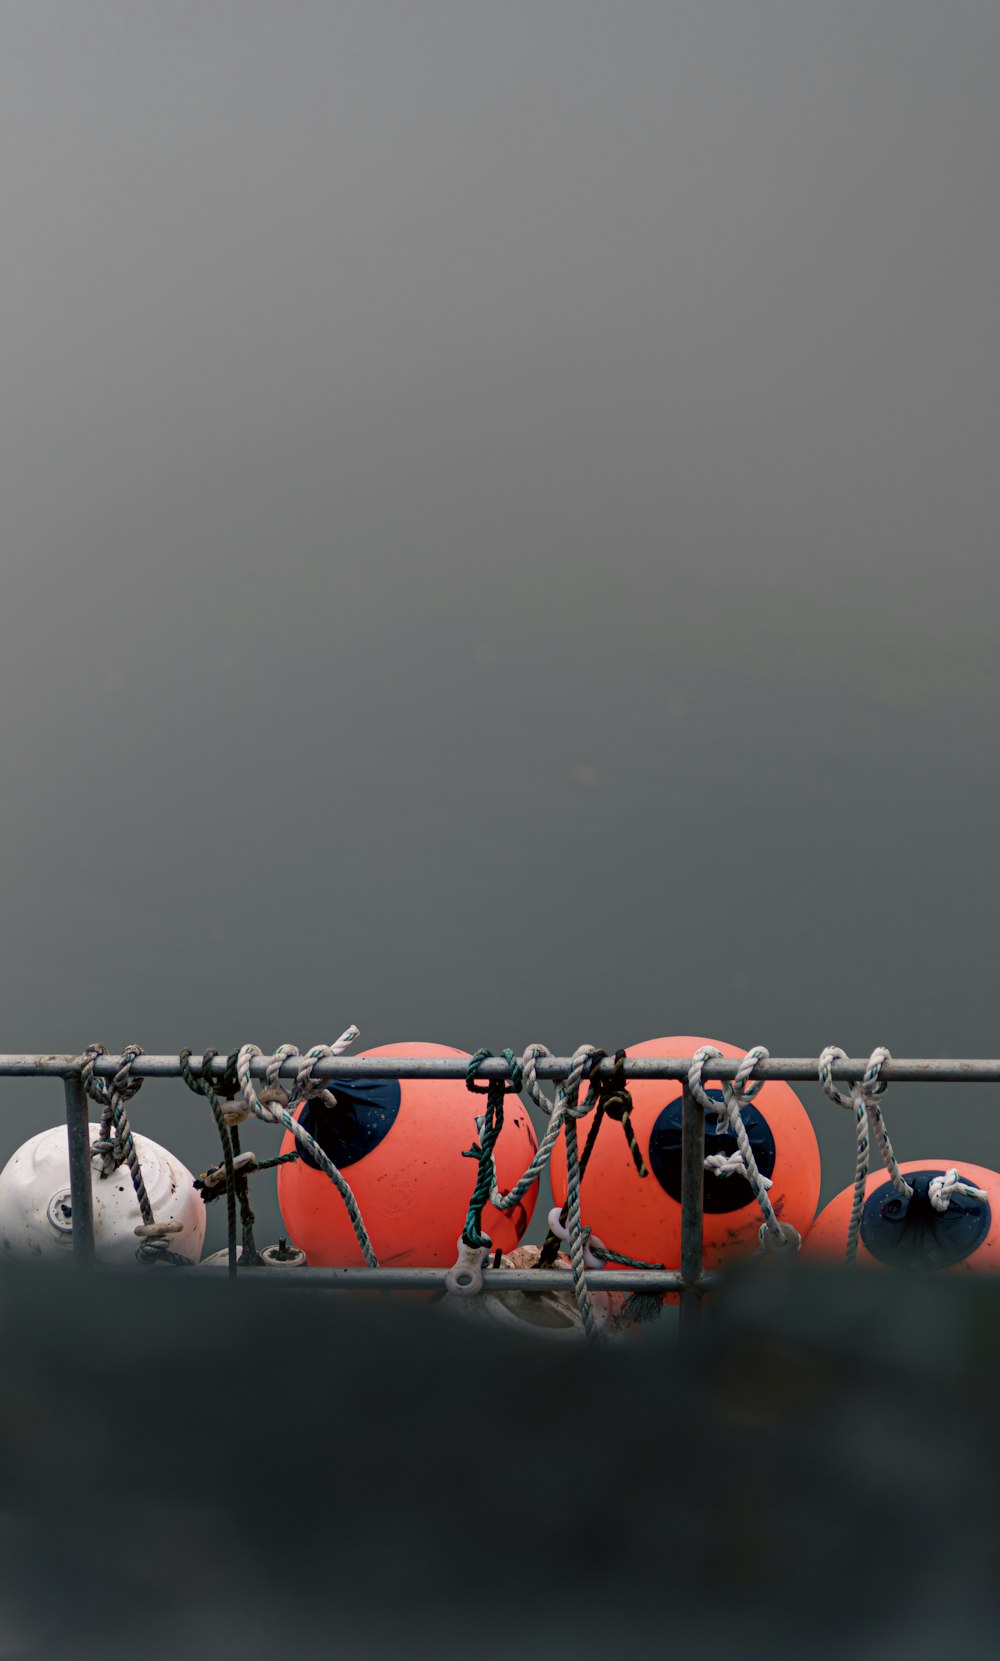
(794, 1069)
(494, 1280)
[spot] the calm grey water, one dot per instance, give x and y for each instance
(499, 517)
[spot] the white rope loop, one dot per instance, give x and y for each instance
(744, 1085)
(737, 1093)
(862, 1098)
(274, 1096)
(272, 1112)
(843, 1098)
(873, 1086)
(529, 1079)
(850, 1098)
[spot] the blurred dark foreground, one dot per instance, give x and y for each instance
(264, 1473)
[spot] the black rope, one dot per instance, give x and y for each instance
(617, 1104)
(229, 1084)
(495, 1089)
(210, 1187)
(249, 1257)
(203, 1087)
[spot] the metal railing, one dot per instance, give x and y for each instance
(690, 1280)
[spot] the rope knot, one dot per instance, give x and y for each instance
(213, 1182)
(696, 1071)
(529, 1070)
(306, 1087)
(154, 1244)
(507, 1086)
(867, 1090)
(95, 1087)
(123, 1085)
(744, 1086)
(941, 1189)
(733, 1165)
(615, 1101)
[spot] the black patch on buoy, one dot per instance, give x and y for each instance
(365, 1113)
(721, 1193)
(911, 1234)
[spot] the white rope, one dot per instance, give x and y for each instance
(941, 1190)
(569, 1109)
(318, 1089)
(269, 1107)
(738, 1093)
(733, 1165)
(862, 1100)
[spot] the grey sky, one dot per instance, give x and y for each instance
(499, 530)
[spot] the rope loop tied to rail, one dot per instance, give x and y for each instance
(572, 1110)
(737, 1093)
(227, 1088)
(488, 1126)
(204, 1086)
(271, 1106)
(615, 1102)
(232, 1176)
(862, 1099)
(115, 1146)
(506, 1086)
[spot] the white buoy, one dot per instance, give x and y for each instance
(36, 1212)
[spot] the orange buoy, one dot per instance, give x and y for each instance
(641, 1216)
(401, 1145)
(914, 1233)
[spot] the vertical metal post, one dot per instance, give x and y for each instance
(81, 1193)
(692, 1212)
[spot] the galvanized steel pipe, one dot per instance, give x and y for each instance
(794, 1069)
